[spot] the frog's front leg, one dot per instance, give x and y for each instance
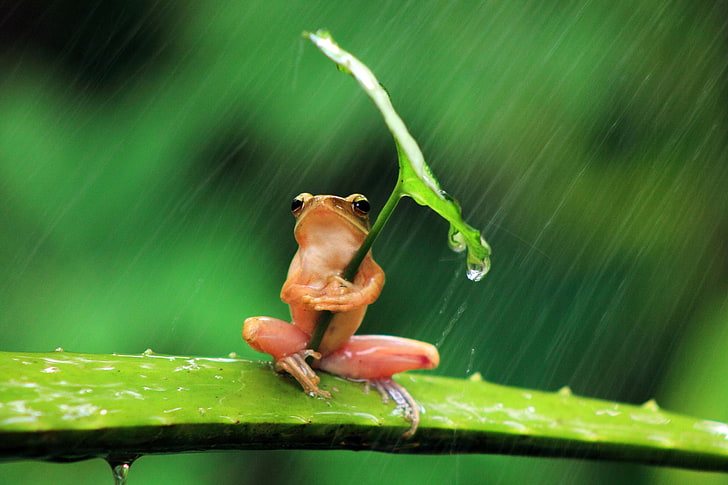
(376, 358)
(340, 295)
(287, 344)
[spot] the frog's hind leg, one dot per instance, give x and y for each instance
(376, 358)
(287, 344)
(273, 336)
(379, 356)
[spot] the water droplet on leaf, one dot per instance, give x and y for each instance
(476, 272)
(651, 405)
(477, 268)
(476, 377)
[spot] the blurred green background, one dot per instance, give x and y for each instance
(149, 152)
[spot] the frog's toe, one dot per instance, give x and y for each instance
(295, 364)
(389, 388)
(332, 303)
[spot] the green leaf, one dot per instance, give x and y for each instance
(415, 177)
(64, 406)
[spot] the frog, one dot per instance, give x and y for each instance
(329, 230)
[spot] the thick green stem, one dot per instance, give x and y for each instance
(353, 267)
(63, 406)
(379, 224)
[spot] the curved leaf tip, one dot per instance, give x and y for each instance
(415, 176)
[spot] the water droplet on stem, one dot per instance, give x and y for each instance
(120, 467)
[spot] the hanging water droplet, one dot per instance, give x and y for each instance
(120, 467)
(475, 272)
(477, 268)
(121, 473)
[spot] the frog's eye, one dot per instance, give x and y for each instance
(361, 205)
(297, 205)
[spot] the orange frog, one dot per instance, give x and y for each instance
(329, 230)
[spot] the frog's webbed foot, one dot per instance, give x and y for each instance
(296, 365)
(389, 388)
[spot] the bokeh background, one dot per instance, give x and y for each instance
(149, 151)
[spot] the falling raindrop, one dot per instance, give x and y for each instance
(469, 368)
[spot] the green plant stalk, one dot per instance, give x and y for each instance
(353, 266)
(382, 218)
(62, 406)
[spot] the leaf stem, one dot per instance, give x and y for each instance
(353, 266)
(382, 218)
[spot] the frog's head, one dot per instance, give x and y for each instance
(330, 216)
